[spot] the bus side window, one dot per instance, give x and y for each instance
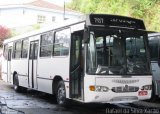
(153, 45)
(5, 51)
(46, 45)
(17, 49)
(24, 48)
(61, 43)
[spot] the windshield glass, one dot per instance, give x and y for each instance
(117, 52)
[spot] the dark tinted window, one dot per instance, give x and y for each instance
(153, 45)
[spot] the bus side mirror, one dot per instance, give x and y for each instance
(86, 35)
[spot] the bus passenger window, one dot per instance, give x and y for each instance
(24, 48)
(17, 49)
(61, 43)
(5, 51)
(46, 45)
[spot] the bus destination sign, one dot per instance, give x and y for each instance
(119, 21)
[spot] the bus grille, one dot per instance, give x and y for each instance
(126, 88)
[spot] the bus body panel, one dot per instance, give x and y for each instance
(115, 81)
(4, 69)
(55, 67)
(44, 85)
(21, 67)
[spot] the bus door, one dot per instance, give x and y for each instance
(9, 64)
(33, 64)
(76, 66)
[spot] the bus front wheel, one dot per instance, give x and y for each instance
(154, 97)
(61, 93)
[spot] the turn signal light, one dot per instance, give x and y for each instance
(92, 88)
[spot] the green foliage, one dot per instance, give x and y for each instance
(148, 10)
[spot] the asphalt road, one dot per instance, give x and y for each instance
(33, 102)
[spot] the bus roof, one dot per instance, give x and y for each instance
(51, 27)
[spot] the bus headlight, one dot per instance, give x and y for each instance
(101, 89)
(146, 87)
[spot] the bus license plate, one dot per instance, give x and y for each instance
(142, 93)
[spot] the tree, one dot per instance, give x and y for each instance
(4, 33)
(147, 10)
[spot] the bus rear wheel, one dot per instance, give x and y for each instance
(16, 83)
(61, 93)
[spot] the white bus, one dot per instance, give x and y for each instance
(103, 58)
(154, 44)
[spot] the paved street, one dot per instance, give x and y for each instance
(34, 102)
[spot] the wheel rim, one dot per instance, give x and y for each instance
(61, 95)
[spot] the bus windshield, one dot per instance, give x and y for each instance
(117, 52)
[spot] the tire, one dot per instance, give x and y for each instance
(61, 94)
(16, 86)
(153, 95)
